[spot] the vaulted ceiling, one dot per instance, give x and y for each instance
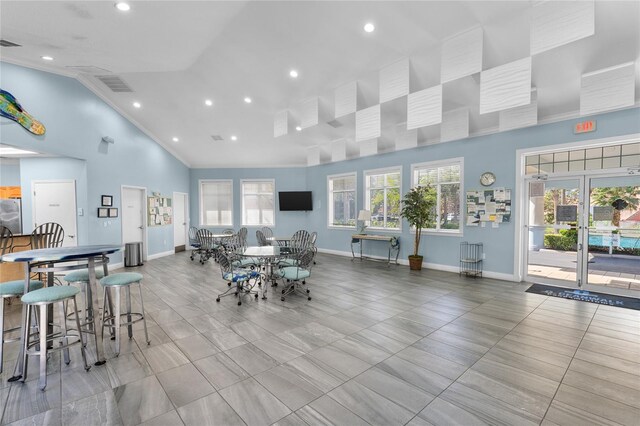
(174, 55)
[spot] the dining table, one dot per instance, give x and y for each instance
(267, 257)
(60, 259)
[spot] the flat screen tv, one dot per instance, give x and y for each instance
(295, 201)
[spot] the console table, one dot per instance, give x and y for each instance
(392, 241)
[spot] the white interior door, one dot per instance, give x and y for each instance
(179, 220)
(55, 201)
(133, 213)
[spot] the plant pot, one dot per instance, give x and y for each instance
(415, 263)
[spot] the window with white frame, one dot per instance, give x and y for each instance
(446, 178)
(216, 203)
(258, 203)
(342, 200)
(382, 197)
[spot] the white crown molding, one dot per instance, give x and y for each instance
(39, 67)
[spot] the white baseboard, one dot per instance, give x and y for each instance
(159, 255)
(113, 266)
(435, 266)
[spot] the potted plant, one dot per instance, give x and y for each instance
(418, 207)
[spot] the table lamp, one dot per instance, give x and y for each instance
(364, 216)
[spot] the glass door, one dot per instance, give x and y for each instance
(612, 259)
(555, 215)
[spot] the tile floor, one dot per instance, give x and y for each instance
(376, 345)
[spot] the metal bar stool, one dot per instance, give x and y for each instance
(111, 315)
(81, 277)
(8, 290)
(43, 298)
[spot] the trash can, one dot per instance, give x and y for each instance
(133, 254)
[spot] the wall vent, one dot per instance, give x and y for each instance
(114, 83)
(217, 138)
(7, 43)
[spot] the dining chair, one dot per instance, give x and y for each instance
(314, 238)
(10, 289)
(262, 240)
(244, 279)
(242, 236)
(193, 242)
(267, 232)
(47, 235)
(208, 246)
(294, 277)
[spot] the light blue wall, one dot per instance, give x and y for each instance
(33, 169)
(496, 152)
(286, 179)
(9, 173)
(76, 120)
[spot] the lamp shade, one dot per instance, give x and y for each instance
(364, 215)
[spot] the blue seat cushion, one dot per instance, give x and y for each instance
(50, 294)
(295, 273)
(247, 261)
(16, 288)
(82, 275)
(288, 262)
(236, 276)
(122, 278)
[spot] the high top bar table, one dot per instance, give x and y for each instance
(60, 259)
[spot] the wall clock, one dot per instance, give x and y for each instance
(487, 179)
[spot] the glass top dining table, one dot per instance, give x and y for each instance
(59, 259)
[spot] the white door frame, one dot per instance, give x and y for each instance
(75, 196)
(522, 192)
(186, 218)
(145, 238)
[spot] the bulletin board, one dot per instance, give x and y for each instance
(488, 206)
(159, 211)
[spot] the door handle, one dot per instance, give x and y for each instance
(139, 227)
(71, 236)
(184, 223)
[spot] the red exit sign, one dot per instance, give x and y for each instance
(585, 127)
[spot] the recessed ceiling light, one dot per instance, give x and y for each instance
(293, 74)
(247, 100)
(234, 138)
(47, 58)
(208, 102)
(175, 139)
(123, 6)
(137, 104)
(369, 27)
(298, 128)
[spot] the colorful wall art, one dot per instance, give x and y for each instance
(11, 109)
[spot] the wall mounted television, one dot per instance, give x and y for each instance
(295, 201)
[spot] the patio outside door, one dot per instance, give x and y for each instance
(584, 231)
(554, 231)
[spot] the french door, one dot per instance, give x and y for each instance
(583, 230)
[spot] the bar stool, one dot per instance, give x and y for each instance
(81, 277)
(43, 298)
(112, 319)
(8, 290)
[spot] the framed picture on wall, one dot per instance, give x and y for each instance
(113, 212)
(103, 212)
(107, 200)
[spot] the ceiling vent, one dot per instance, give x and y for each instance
(335, 123)
(114, 83)
(217, 138)
(7, 43)
(89, 69)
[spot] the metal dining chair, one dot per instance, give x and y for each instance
(193, 242)
(47, 235)
(294, 277)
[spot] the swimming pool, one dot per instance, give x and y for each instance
(605, 241)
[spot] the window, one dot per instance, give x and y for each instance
(342, 200)
(382, 198)
(257, 202)
(216, 203)
(445, 177)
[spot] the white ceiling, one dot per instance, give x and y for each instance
(176, 54)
